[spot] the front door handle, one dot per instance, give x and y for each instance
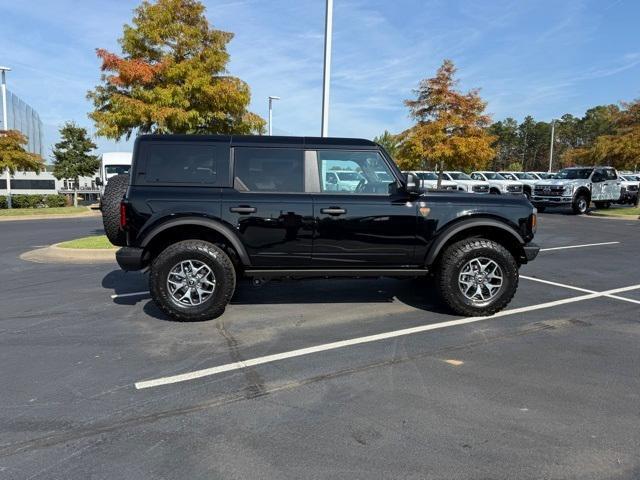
(333, 211)
(243, 209)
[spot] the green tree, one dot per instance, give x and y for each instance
(507, 144)
(13, 154)
(72, 157)
(389, 141)
(171, 78)
(451, 126)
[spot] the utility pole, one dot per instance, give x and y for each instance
(553, 130)
(326, 80)
(5, 123)
(271, 99)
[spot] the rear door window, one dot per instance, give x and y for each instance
(269, 170)
(185, 163)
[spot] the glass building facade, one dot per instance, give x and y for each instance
(24, 119)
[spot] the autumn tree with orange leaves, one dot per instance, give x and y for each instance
(171, 77)
(450, 129)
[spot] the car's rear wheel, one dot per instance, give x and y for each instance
(477, 277)
(192, 280)
(580, 204)
(113, 193)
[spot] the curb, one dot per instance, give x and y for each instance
(83, 256)
(54, 216)
(613, 217)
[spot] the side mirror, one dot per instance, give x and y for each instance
(98, 182)
(412, 185)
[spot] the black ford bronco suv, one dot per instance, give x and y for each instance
(202, 211)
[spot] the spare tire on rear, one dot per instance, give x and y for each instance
(113, 194)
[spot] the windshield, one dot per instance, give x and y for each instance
(116, 169)
(351, 176)
(459, 176)
(427, 176)
(574, 173)
(525, 176)
(493, 176)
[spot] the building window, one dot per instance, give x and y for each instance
(33, 184)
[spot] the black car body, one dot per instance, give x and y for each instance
(266, 201)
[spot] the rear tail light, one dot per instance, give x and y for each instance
(123, 215)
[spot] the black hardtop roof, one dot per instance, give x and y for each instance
(265, 140)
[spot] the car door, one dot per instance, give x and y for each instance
(368, 225)
(598, 185)
(268, 206)
(613, 185)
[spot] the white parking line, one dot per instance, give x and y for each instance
(571, 287)
(361, 340)
(132, 294)
(578, 246)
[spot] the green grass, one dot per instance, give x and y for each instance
(618, 212)
(16, 212)
(95, 241)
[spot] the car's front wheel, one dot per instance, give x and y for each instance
(192, 280)
(477, 277)
(580, 204)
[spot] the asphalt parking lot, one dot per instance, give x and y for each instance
(97, 383)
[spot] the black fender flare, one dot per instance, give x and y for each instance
(215, 225)
(449, 232)
(582, 189)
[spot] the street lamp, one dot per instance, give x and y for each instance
(553, 131)
(5, 122)
(326, 80)
(271, 99)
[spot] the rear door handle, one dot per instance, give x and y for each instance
(333, 211)
(243, 209)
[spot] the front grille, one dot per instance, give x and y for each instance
(481, 188)
(514, 188)
(548, 190)
(632, 188)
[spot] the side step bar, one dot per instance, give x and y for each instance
(337, 272)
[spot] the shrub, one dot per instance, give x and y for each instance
(56, 200)
(36, 201)
(3, 202)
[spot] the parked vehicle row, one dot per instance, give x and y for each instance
(575, 187)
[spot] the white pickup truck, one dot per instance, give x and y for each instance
(578, 187)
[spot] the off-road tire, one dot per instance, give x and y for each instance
(452, 261)
(215, 258)
(113, 193)
(578, 207)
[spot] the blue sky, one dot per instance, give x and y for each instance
(538, 57)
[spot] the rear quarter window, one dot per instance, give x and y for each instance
(183, 163)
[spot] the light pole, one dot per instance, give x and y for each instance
(271, 99)
(5, 122)
(326, 80)
(553, 130)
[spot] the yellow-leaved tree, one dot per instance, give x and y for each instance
(171, 77)
(451, 126)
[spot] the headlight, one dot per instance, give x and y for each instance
(568, 189)
(505, 187)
